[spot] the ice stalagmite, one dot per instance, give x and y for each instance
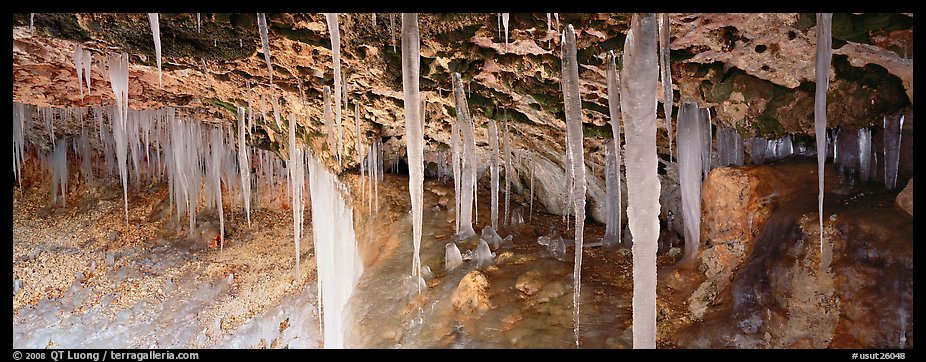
(468, 159)
(337, 256)
(244, 166)
(638, 110)
(264, 40)
(893, 131)
(119, 80)
(493, 168)
(689, 175)
(296, 167)
(156, 33)
(824, 58)
(332, 20)
(864, 153)
(78, 58)
(455, 161)
(572, 103)
(452, 257)
(665, 67)
(613, 162)
(414, 129)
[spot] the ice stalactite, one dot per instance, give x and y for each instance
(614, 208)
(119, 80)
(213, 164)
(392, 30)
(864, 153)
(759, 146)
(358, 143)
(689, 174)
(337, 256)
(707, 141)
(373, 20)
(505, 24)
(665, 67)
(78, 58)
(156, 33)
(199, 23)
(533, 166)
(265, 41)
(86, 169)
(332, 21)
(729, 147)
(638, 110)
(572, 104)
(59, 171)
(19, 125)
(823, 60)
(88, 62)
(509, 172)
(893, 131)
(296, 167)
(455, 161)
(414, 129)
(328, 118)
(32, 23)
(493, 168)
(468, 159)
(244, 166)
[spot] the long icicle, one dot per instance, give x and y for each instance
(332, 20)
(265, 41)
(638, 110)
(156, 33)
(414, 130)
(468, 159)
(572, 103)
(613, 174)
(824, 58)
(665, 66)
(689, 174)
(244, 166)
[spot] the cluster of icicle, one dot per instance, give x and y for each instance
(200, 162)
(83, 59)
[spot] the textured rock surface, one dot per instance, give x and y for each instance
(905, 198)
(753, 70)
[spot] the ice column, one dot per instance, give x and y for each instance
(414, 129)
(638, 109)
(824, 57)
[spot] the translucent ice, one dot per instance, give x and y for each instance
(468, 157)
(823, 60)
(452, 257)
(572, 103)
(638, 108)
(414, 129)
(613, 157)
(156, 33)
(689, 175)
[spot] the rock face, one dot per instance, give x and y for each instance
(470, 297)
(905, 198)
(754, 70)
(736, 203)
